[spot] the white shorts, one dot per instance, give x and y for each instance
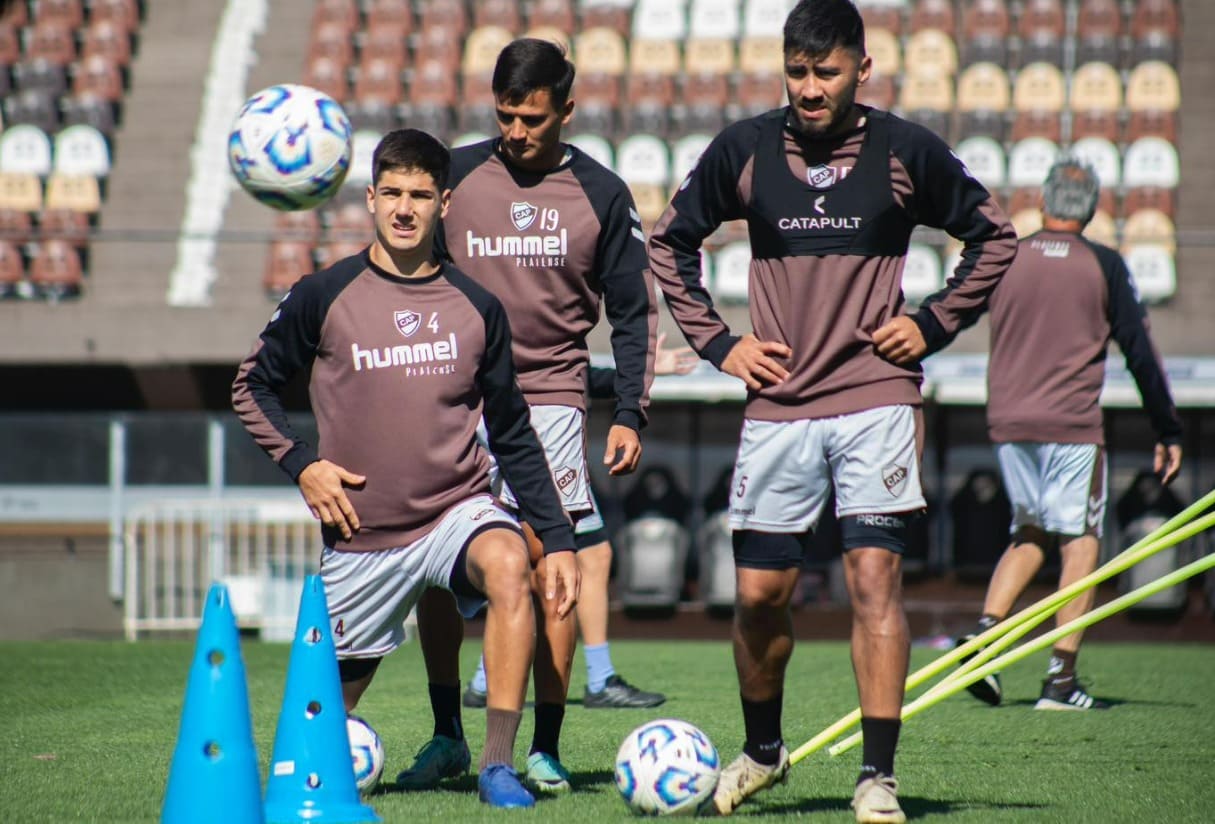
(786, 469)
(1057, 487)
(562, 433)
(370, 593)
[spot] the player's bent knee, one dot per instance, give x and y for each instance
(498, 563)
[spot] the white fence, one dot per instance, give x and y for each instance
(174, 550)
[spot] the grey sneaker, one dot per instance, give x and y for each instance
(474, 699)
(876, 801)
(987, 689)
(618, 693)
(1067, 695)
(440, 757)
(743, 778)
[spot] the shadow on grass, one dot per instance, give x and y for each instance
(913, 806)
(585, 780)
(1113, 702)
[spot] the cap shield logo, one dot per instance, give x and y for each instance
(821, 176)
(522, 214)
(406, 322)
(894, 478)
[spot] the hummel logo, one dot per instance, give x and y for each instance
(818, 204)
(1095, 507)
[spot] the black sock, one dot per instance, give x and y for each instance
(547, 736)
(881, 739)
(987, 621)
(761, 720)
(1062, 666)
(445, 704)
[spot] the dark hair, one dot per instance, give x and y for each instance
(411, 150)
(529, 65)
(815, 27)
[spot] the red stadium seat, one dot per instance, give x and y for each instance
(10, 45)
(608, 14)
(378, 82)
(52, 41)
(1098, 31)
(881, 16)
(331, 40)
(386, 43)
(933, 14)
(344, 13)
(68, 12)
(16, 15)
(556, 13)
(123, 13)
(502, 13)
(108, 39)
(55, 271)
(97, 76)
(434, 46)
(302, 226)
(67, 225)
(12, 270)
(327, 75)
(286, 262)
(16, 226)
(394, 15)
(449, 15)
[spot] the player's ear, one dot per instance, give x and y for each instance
(371, 198)
(864, 69)
(444, 202)
(567, 111)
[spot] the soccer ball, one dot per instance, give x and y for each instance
(366, 751)
(666, 767)
(290, 146)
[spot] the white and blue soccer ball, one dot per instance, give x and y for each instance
(667, 767)
(367, 753)
(290, 146)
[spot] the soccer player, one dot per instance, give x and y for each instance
(406, 353)
(1052, 317)
(554, 235)
(831, 191)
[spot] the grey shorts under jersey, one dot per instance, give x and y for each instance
(371, 593)
(1057, 487)
(562, 432)
(786, 470)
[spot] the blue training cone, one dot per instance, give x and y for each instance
(214, 775)
(311, 773)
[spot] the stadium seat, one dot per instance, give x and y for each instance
(1029, 160)
(660, 20)
(556, 13)
(387, 43)
(25, 149)
(706, 101)
(499, 13)
(17, 15)
(595, 146)
(344, 13)
(40, 75)
(652, 555)
(1096, 123)
(553, 35)
(732, 273)
(884, 14)
(332, 40)
(1039, 87)
(379, 82)
(1154, 270)
(715, 544)
(759, 92)
(651, 200)
(99, 77)
(109, 39)
(33, 107)
(1158, 198)
(450, 16)
(16, 226)
(765, 18)
(1098, 32)
(1152, 123)
(932, 14)
(66, 225)
(985, 30)
(685, 152)
(1036, 123)
(1155, 28)
(327, 75)
(985, 158)
(714, 19)
(81, 193)
(1102, 229)
(761, 55)
(928, 99)
(350, 222)
(1150, 226)
(883, 46)
(921, 272)
(1026, 221)
(52, 41)
(877, 92)
(984, 94)
(123, 13)
(600, 50)
(930, 51)
(20, 191)
(82, 150)
(372, 115)
(703, 56)
(649, 101)
(1023, 197)
(1153, 86)
(652, 56)
(1042, 26)
(286, 262)
(1103, 156)
(609, 14)
(1095, 87)
(10, 44)
(482, 48)
(643, 158)
(1151, 161)
(12, 271)
(303, 226)
(55, 271)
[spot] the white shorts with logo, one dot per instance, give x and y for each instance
(1057, 487)
(370, 593)
(562, 433)
(786, 469)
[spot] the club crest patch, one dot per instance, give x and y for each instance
(407, 322)
(522, 214)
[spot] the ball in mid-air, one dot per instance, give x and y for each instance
(290, 146)
(367, 753)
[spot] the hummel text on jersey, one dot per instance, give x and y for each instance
(405, 354)
(527, 250)
(818, 223)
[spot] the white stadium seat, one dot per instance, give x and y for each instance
(1154, 270)
(685, 152)
(82, 150)
(1103, 156)
(985, 159)
(596, 147)
(1030, 160)
(660, 20)
(732, 272)
(921, 272)
(25, 149)
(714, 19)
(1151, 161)
(764, 18)
(643, 158)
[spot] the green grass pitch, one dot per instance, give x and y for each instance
(89, 730)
